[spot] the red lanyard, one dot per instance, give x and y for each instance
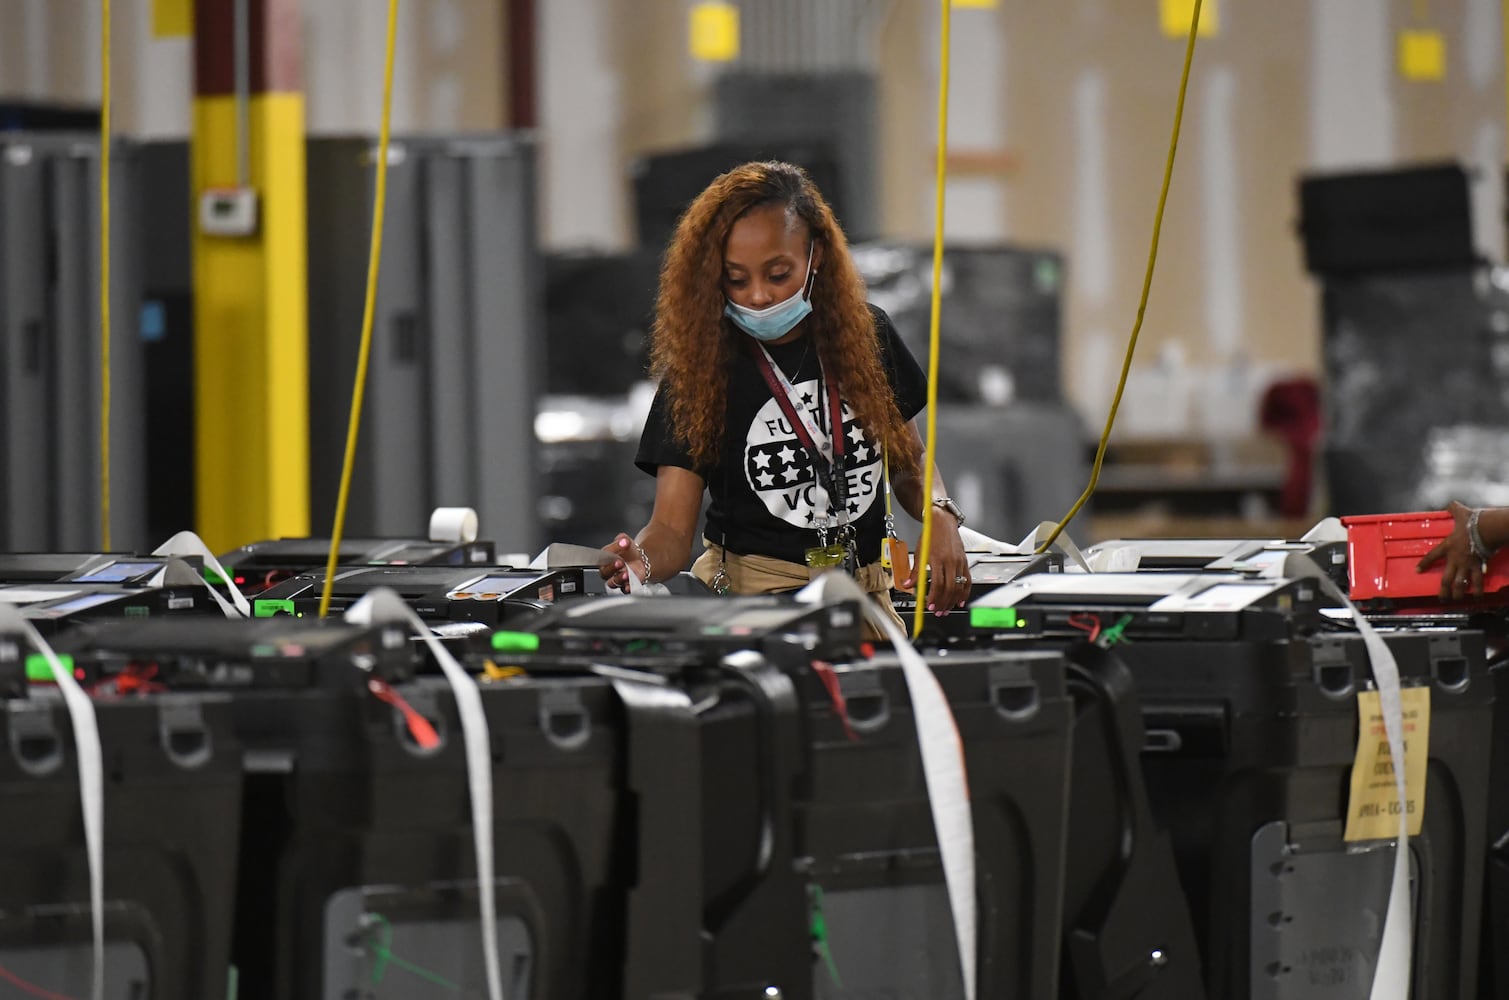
(801, 424)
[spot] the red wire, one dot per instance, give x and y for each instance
(134, 678)
(835, 693)
(137, 677)
(29, 988)
(1086, 622)
(419, 727)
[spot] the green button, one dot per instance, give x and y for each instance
(266, 607)
(516, 642)
(995, 618)
(211, 576)
(38, 669)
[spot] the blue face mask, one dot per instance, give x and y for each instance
(774, 322)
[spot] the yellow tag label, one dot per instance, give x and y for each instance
(1175, 15)
(172, 18)
(715, 32)
(984, 4)
(1422, 56)
(1373, 805)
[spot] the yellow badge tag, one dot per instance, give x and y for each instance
(1373, 805)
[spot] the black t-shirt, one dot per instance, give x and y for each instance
(762, 486)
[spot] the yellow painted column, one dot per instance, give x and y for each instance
(250, 275)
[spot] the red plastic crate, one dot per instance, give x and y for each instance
(1383, 549)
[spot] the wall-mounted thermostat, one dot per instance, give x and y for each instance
(228, 212)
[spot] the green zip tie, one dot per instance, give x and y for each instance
(820, 935)
(1113, 635)
(384, 956)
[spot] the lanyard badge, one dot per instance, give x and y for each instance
(838, 547)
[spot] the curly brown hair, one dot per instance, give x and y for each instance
(692, 342)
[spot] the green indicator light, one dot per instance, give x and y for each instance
(211, 576)
(995, 618)
(138, 611)
(38, 669)
(266, 607)
(516, 642)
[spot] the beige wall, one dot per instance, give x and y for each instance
(1104, 85)
(1089, 89)
(449, 69)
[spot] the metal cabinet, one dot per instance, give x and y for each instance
(51, 355)
(457, 360)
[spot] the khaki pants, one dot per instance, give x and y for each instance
(767, 575)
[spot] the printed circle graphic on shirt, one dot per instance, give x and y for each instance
(778, 471)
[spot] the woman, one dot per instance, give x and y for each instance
(763, 343)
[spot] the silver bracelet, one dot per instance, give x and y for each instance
(1475, 537)
(644, 558)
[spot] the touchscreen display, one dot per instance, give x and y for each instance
(118, 572)
(81, 604)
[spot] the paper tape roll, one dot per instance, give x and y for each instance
(453, 524)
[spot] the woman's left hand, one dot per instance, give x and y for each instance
(948, 582)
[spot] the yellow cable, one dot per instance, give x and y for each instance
(373, 266)
(105, 275)
(932, 348)
(1147, 284)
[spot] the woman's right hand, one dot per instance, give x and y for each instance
(1462, 571)
(613, 564)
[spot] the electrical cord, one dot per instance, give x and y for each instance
(1147, 284)
(924, 547)
(374, 263)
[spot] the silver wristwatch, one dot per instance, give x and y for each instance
(947, 504)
